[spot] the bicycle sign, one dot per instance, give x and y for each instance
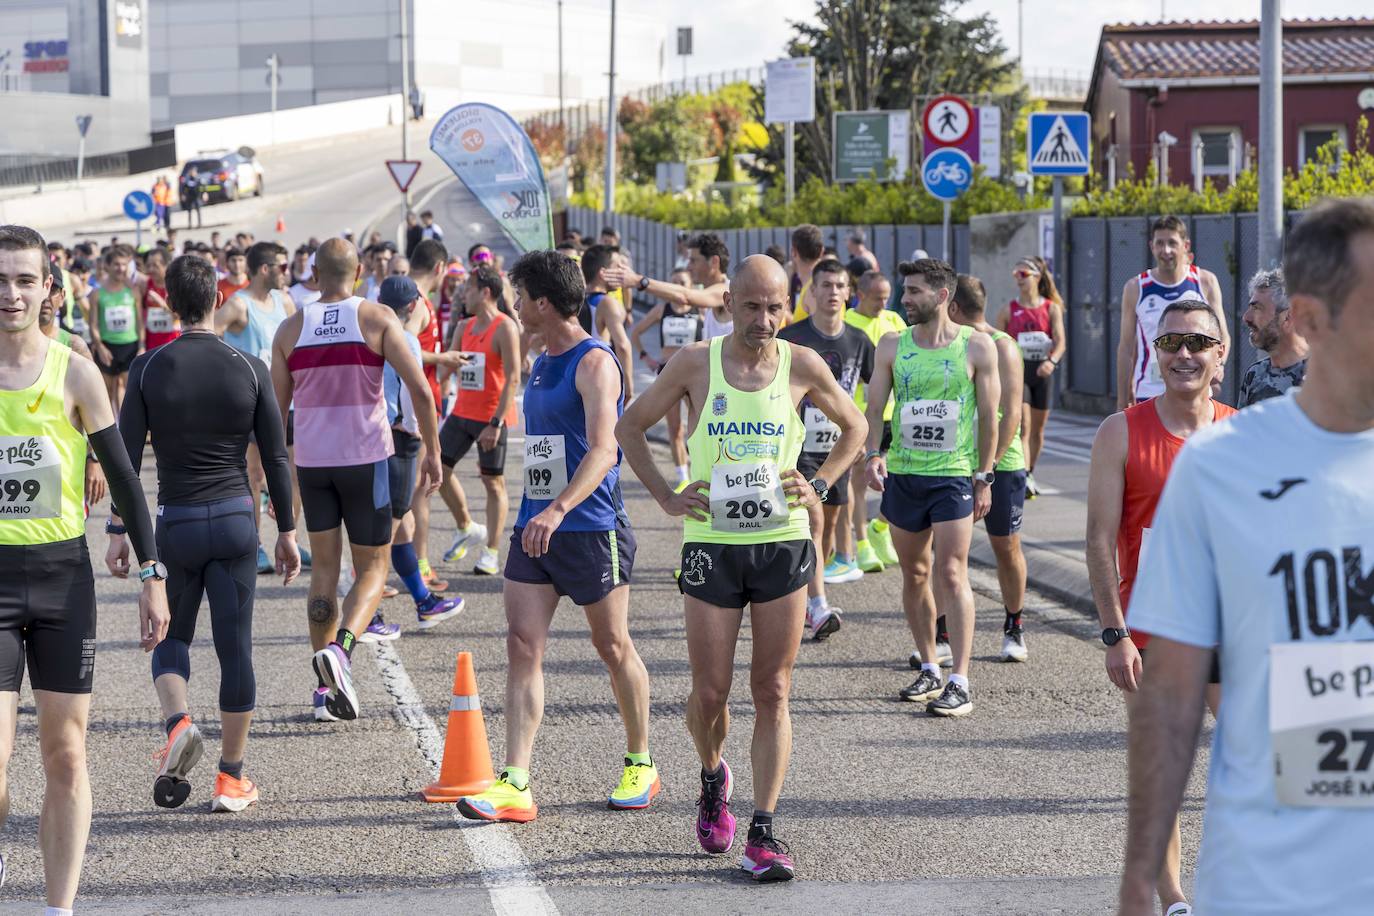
(947, 173)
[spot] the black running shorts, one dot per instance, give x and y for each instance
(121, 358)
(357, 496)
(735, 575)
(459, 434)
(47, 616)
(1037, 391)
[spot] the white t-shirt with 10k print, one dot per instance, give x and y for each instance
(1264, 543)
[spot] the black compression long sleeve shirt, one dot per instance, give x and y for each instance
(202, 399)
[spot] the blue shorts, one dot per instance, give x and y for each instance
(914, 502)
(582, 565)
(1008, 499)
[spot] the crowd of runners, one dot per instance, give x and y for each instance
(341, 384)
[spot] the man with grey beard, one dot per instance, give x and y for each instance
(1272, 330)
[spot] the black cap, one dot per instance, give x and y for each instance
(56, 275)
(398, 291)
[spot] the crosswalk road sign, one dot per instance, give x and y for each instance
(1057, 143)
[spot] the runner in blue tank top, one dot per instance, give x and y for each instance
(571, 538)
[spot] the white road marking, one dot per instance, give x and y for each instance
(1084, 457)
(510, 882)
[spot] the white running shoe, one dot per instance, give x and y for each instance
(944, 655)
(488, 563)
(1014, 646)
(471, 536)
(1179, 909)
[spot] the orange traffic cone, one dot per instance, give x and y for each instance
(466, 768)
(281, 224)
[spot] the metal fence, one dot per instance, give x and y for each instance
(653, 245)
(19, 171)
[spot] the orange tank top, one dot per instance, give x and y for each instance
(481, 379)
(1150, 453)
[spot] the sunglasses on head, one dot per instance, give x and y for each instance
(1024, 272)
(1196, 343)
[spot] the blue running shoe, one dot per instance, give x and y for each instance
(265, 565)
(305, 556)
(432, 612)
(333, 667)
(380, 631)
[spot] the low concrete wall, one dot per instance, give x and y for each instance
(287, 126)
(996, 242)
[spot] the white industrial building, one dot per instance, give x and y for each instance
(197, 60)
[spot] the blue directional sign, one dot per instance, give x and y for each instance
(138, 205)
(947, 173)
(1057, 143)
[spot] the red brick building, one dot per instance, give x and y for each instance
(1199, 82)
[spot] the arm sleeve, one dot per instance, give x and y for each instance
(133, 419)
(1176, 594)
(271, 436)
(126, 493)
(870, 354)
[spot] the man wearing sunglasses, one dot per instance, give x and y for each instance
(1131, 458)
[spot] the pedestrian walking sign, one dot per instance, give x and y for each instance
(1057, 143)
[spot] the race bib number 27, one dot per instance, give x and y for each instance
(1321, 723)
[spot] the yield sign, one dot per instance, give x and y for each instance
(402, 172)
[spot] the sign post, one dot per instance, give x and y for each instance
(1057, 144)
(83, 124)
(947, 123)
(790, 96)
(138, 206)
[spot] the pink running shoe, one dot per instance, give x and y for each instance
(715, 823)
(766, 859)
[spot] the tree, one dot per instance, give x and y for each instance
(890, 54)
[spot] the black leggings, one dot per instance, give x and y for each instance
(211, 551)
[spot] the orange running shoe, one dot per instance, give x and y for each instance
(233, 794)
(182, 751)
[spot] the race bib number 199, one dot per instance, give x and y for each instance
(30, 478)
(747, 497)
(930, 426)
(1321, 723)
(546, 467)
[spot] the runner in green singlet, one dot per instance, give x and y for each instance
(944, 428)
(47, 322)
(746, 532)
(1003, 521)
(115, 325)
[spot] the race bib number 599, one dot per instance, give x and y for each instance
(30, 478)
(1321, 722)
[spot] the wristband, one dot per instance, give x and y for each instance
(1054, 362)
(876, 453)
(115, 529)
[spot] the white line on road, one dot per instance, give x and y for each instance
(505, 871)
(1067, 453)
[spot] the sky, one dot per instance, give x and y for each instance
(1060, 35)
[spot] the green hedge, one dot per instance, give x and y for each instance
(864, 202)
(1334, 173)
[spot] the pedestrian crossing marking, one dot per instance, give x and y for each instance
(1059, 147)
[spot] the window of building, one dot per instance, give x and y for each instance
(1218, 150)
(1314, 136)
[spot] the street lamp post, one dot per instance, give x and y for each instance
(1271, 134)
(610, 125)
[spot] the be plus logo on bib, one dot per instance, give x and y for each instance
(30, 478)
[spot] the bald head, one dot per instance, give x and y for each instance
(336, 264)
(760, 279)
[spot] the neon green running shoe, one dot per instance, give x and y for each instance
(502, 802)
(882, 543)
(639, 784)
(868, 559)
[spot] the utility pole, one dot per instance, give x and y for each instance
(561, 127)
(1271, 135)
(1020, 39)
(610, 125)
(273, 77)
(405, 92)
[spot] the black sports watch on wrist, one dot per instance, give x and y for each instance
(111, 528)
(1113, 635)
(821, 487)
(643, 284)
(496, 423)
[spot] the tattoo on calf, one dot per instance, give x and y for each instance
(321, 609)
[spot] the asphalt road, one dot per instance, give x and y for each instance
(1018, 808)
